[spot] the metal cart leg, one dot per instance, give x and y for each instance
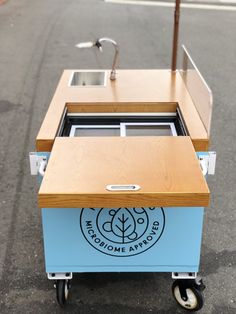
(187, 291)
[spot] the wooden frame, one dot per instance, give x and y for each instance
(133, 91)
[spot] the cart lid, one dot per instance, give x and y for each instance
(149, 171)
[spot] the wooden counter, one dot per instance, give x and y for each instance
(166, 169)
(132, 91)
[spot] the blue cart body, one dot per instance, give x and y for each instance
(169, 241)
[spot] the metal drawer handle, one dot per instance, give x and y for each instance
(123, 187)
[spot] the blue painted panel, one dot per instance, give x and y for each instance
(202, 153)
(96, 240)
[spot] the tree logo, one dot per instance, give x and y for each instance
(122, 231)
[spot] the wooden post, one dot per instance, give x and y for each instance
(175, 35)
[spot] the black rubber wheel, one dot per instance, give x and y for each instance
(62, 287)
(194, 301)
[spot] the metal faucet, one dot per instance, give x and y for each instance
(98, 44)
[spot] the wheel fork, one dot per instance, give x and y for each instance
(184, 284)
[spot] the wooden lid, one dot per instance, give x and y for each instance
(165, 168)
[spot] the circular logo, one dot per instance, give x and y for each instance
(122, 231)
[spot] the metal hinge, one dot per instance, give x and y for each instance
(37, 164)
(208, 163)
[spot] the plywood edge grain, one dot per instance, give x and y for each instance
(121, 107)
(201, 145)
(44, 145)
(124, 200)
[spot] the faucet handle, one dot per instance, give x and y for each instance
(99, 45)
(88, 44)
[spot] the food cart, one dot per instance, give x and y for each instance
(122, 163)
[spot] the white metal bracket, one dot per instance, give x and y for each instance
(37, 164)
(208, 163)
(191, 275)
(56, 276)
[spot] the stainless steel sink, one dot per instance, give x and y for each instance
(88, 78)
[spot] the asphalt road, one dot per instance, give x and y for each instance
(36, 44)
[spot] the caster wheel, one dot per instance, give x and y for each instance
(62, 290)
(187, 295)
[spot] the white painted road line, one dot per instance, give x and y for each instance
(171, 5)
(228, 1)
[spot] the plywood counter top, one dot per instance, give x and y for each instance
(166, 169)
(132, 91)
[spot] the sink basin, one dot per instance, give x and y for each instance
(88, 78)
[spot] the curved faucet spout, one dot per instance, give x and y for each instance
(98, 44)
(115, 60)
